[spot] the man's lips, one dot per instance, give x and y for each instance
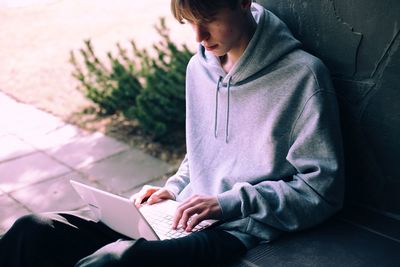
(210, 47)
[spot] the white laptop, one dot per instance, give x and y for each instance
(152, 222)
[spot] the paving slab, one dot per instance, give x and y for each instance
(51, 195)
(23, 3)
(55, 138)
(85, 150)
(13, 147)
(126, 171)
(22, 119)
(24, 171)
(3, 133)
(75, 147)
(10, 211)
(5, 99)
(5, 102)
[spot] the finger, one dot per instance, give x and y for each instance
(177, 218)
(145, 192)
(134, 198)
(195, 220)
(187, 215)
(180, 210)
(139, 199)
(159, 195)
(154, 198)
(178, 215)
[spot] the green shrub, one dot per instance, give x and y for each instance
(111, 88)
(146, 88)
(160, 107)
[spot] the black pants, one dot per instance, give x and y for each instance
(59, 240)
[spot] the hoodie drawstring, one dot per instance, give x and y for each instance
(227, 109)
(216, 107)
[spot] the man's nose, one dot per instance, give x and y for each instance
(201, 33)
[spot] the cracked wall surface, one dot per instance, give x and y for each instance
(359, 41)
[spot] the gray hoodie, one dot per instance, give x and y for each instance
(264, 138)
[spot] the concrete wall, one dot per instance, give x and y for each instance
(359, 41)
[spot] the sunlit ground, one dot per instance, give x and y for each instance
(23, 3)
(38, 152)
(36, 37)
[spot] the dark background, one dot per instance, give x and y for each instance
(359, 41)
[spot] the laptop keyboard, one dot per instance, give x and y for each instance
(162, 224)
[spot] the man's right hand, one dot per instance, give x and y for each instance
(152, 193)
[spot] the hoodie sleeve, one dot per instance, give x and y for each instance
(316, 190)
(180, 179)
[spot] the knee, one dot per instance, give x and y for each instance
(103, 260)
(31, 221)
(111, 255)
(31, 227)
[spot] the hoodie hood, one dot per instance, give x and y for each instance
(271, 41)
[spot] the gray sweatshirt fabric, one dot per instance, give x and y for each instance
(264, 138)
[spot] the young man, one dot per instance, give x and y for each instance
(263, 152)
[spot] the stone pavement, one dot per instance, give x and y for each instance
(39, 153)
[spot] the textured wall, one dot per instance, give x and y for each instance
(359, 41)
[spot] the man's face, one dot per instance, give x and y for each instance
(223, 33)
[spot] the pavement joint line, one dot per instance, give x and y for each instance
(18, 202)
(88, 179)
(72, 168)
(58, 127)
(56, 159)
(34, 150)
(40, 151)
(18, 157)
(38, 182)
(106, 158)
(45, 151)
(18, 101)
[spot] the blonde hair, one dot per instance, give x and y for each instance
(199, 10)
